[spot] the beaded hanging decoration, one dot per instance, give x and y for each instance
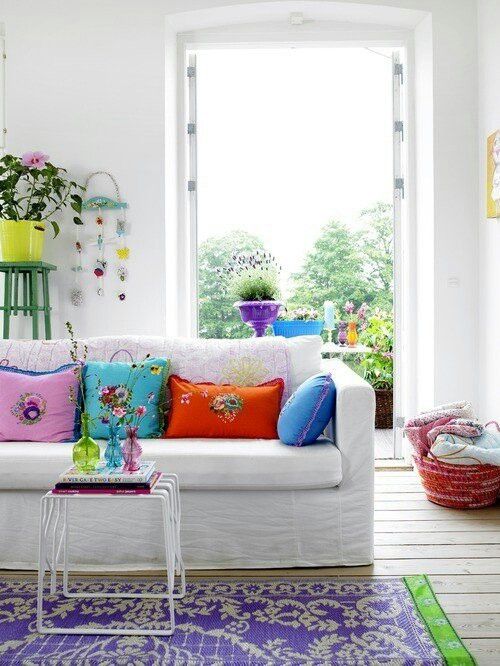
(100, 204)
(76, 294)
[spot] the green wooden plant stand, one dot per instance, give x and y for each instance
(29, 271)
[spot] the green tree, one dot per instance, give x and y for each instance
(346, 264)
(218, 318)
(377, 250)
(332, 270)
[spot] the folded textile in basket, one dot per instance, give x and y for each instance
(457, 450)
(459, 427)
(452, 410)
(418, 429)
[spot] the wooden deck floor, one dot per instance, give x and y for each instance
(459, 550)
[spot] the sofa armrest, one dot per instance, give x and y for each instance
(354, 435)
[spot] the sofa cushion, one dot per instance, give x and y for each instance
(308, 411)
(223, 411)
(254, 464)
(38, 405)
(142, 381)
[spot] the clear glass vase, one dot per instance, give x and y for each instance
(132, 450)
(113, 453)
(86, 452)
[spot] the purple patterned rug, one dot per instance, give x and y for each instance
(295, 621)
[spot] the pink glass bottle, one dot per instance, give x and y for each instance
(131, 449)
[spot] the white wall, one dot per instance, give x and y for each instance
(487, 324)
(86, 84)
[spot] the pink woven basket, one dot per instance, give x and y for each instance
(458, 486)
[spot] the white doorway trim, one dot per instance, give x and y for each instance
(257, 36)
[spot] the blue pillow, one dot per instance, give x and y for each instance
(147, 389)
(308, 411)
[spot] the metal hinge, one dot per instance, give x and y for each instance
(191, 71)
(399, 184)
(399, 127)
(400, 422)
(191, 185)
(191, 128)
(398, 70)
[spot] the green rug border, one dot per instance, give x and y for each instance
(443, 634)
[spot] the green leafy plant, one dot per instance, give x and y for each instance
(253, 276)
(32, 188)
(377, 366)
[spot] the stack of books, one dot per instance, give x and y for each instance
(107, 481)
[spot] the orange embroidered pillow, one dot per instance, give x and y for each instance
(209, 410)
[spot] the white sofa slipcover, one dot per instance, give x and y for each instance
(246, 503)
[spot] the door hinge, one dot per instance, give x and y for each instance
(191, 185)
(398, 70)
(191, 71)
(191, 128)
(399, 127)
(399, 184)
(400, 422)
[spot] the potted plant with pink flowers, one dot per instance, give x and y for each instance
(33, 192)
(354, 318)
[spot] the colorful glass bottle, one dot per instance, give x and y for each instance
(352, 334)
(113, 453)
(86, 452)
(342, 335)
(132, 450)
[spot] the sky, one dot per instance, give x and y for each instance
(290, 138)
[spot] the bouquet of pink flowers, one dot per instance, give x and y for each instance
(358, 316)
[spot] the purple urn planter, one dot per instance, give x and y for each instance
(259, 314)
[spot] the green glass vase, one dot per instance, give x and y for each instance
(86, 452)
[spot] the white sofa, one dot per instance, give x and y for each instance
(246, 503)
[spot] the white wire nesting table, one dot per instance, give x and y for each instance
(54, 543)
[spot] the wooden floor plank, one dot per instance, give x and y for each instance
(396, 497)
(437, 538)
(488, 602)
(397, 488)
(398, 526)
(419, 504)
(486, 651)
(447, 551)
(478, 584)
(476, 625)
(434, 512)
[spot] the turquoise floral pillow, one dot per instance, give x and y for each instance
(139, 383)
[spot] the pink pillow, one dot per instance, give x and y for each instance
(35, 406)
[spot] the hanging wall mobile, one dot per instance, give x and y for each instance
(108, 211)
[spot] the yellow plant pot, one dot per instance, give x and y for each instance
(22, 240)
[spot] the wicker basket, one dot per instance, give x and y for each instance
(383, 408)
(458, 486)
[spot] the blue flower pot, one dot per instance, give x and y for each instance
(294, 327)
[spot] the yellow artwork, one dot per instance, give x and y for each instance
(493, 175)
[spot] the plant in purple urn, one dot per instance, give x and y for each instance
(254, 281)
(131, 448)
